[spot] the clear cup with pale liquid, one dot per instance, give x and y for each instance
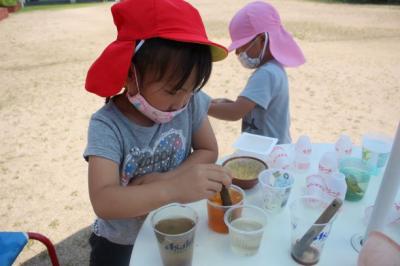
(246, 225)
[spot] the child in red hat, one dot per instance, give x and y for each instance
(152, 144)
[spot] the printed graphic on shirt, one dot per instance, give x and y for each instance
(247, 126)
(167, 153)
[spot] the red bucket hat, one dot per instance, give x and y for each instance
(139, 20)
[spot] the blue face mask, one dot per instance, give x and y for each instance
(249, 62)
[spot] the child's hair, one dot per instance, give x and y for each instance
(178, 60)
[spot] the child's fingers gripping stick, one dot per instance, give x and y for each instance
(200, 181)
(220, 175)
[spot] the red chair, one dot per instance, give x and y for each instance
(12, 243)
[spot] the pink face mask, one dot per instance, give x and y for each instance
(157, 116)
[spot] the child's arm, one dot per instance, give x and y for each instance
(204, 144)
(231, 111)
(112, 201)
(221, 100)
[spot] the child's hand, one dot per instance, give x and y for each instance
(199, 182)
(221, 100)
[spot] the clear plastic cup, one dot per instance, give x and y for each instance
(275, 197)
(216, 210)
(357, 173)
(304, 212)
(174, 226)
(246, 225)
(376, 150)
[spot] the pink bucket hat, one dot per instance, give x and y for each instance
(258, 17)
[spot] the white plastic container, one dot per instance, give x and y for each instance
(254, 145)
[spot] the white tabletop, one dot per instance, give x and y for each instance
(214, 249)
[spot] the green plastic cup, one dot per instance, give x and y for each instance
(357, 173)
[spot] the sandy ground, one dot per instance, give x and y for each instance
(350, 84)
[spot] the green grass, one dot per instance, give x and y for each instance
(59, 6)
(378, 2)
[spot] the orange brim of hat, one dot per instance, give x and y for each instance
(218, 52)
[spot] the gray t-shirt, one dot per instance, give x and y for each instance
(140, 150)
(268, 88)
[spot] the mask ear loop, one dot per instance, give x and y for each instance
(141, 42)
(139, 45)
(136, 80)
(265, 46)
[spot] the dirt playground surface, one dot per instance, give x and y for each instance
(350, 84)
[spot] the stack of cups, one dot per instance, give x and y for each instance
(335, 186)
(315, 186)
(343, 146)
(279, 158)
(329, 183)
(328, 164)
(302, 154)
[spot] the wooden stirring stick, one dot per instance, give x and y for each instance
(315, 229)
(225, 197)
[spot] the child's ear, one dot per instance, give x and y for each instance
(129, 75)
(260, 39)
(127, 80)
(130, 85)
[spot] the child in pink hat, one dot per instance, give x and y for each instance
(261, 43)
